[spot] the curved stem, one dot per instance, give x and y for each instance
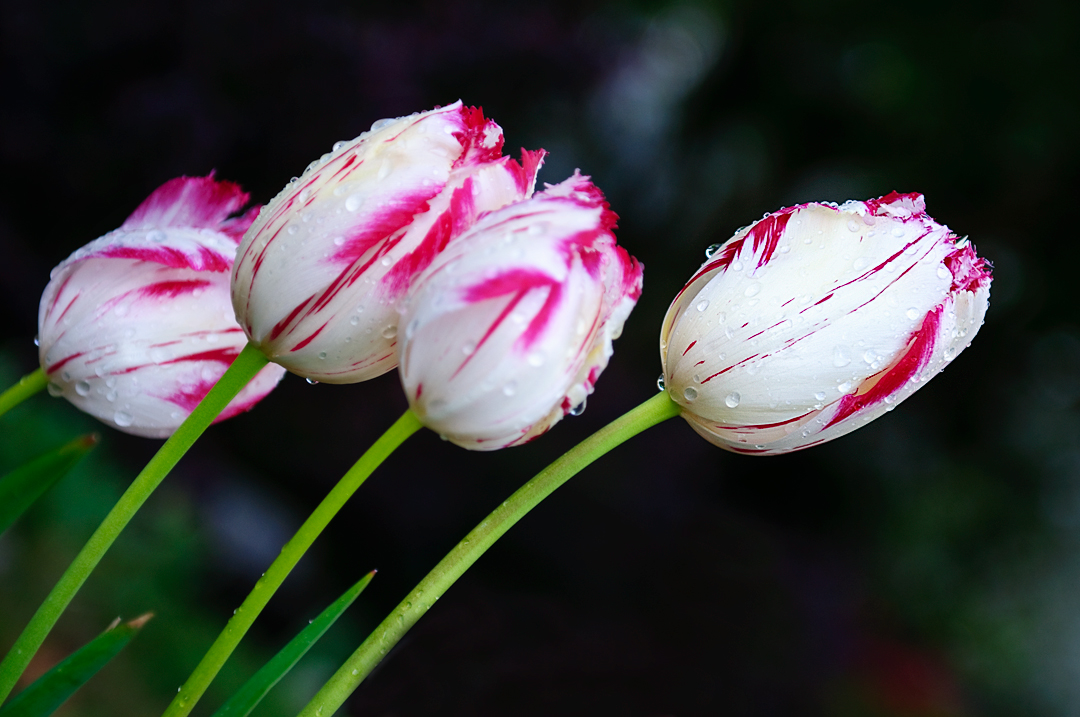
(334, 693)
(271, 580)
(27, 386)
(243, 369)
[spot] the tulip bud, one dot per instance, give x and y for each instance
(508, 330)
(817, 319)
(321, 271)
(136, 327)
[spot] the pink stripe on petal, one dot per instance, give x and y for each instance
(56, 366)
(189, 202)
(886, 383)
(206, 260)
(172, 289)
(401, 210)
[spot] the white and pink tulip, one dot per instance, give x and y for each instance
(508, 330)
(320, 273)
(136, 327)
(817, 319)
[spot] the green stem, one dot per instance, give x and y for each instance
(271, 580)
(27, 386)
(334, 693)
(243, 369)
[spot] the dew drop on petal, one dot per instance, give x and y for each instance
(123, 419)
(353, 202)
(852, 225)
(156, 236)
(711, 251)
(732, 399)
(702, 305)
(339, 241)
(389, 332)
(660, 385)
(753, 290)
(510, 389)
(736, 265)
(846, 387)
(943, 272)
(820, 396)
(690, 393)
(55, 390)
(82, 388)
(37, 341)
(354, 320)
(468, 347)
(312, 382)
(898, 232)
(912, 313)
(950, 353)
(578, 409)
(322, 355)
(536, 358)
(841, 356)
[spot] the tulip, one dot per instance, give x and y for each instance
(137, 326)
(320, 273)
(817, 319)
(509, 328)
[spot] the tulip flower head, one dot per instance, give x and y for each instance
(320, 273)
(137, 326)
(817, 319)
(509, 328)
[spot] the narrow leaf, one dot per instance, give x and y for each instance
(248, 696)
(53, 688)
(22, 486)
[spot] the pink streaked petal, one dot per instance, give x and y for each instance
(172, 289)
(236, 227)
(892, 379)
(205, 260)
(481, 139)
(200, 202)
(970, 272)
(381, 224)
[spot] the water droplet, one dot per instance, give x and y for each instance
(578, 409)
(353, 202)
(536, 358)
(82, 388)
(703, 304)
(354, 320)
(846, 387)
(690, 393)
(312, 382)
(356, 672)
(820, 396)
(468, 347)
(386, 261)
(55, 390)
(912, 313)
(841, 356)
(379, 124)
(785, 249)
(943, 272)
(110, 396)
(37, 341)
(852, 225)
(736, 265)
(322, 355)
(950, 353)
(390, 331)
(732, 399)
(156, 236)
(870, 356)
(660, 385)
(753, 290)
(339, 241)
(510, 389)
(898, 232)
(123, 419)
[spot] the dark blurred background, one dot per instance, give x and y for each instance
(928, 564)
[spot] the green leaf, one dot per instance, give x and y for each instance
(54, 687)
(248, 696)
(21, 487)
